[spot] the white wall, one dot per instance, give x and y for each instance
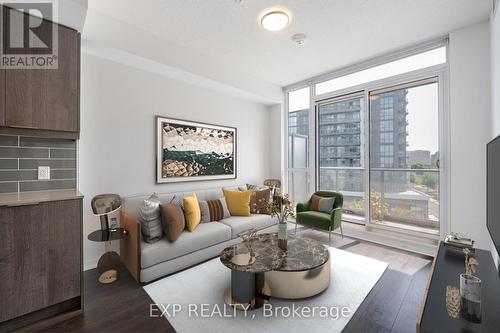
(495, 87)
(470, 130)
(117, 145)
(121, 40)
(495, 72)
(276, 151)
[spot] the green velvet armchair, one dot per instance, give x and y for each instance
(320, 220)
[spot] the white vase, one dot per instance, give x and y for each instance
(282, 236)
(470, 297)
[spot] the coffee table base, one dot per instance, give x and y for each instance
(248, 291)
(301, 284)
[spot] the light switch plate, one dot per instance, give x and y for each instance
(43, 173)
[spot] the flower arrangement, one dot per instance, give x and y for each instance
(281, 207)
(470, 263)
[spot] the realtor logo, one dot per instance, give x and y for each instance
(29, 39)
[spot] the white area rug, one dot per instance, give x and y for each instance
(199, 293)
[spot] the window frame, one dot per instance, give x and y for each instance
(437, 72)
(362, 166)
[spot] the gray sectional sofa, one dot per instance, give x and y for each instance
(148, 262)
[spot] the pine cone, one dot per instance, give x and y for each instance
(173, 168)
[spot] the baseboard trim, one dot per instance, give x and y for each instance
(374, 237)
(406, 245)
(44, 318)
(90, 264)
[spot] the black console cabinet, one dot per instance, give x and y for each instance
(448, 265)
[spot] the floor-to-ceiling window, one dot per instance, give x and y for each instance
(404, 157)
(340, 152)
(298, 144)
(377, 140)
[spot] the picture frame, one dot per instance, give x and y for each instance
(194, 151)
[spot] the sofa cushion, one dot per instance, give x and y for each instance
(205, 235)
(326, 205)
(240, 223)
(314, 219)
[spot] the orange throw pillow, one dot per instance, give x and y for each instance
(192, 210)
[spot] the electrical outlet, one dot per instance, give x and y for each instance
(43, 173)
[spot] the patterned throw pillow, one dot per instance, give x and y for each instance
(213, 210)
(321, 204)
(151, 227)
(259, 201)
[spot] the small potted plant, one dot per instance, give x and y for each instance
(470, 290)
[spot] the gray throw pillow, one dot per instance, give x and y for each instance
(205, 212)
(224, 207)
(326, 205)
(151, 226)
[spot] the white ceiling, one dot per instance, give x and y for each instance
(340, 32)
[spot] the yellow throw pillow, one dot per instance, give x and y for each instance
(192, 211)
(238, 202)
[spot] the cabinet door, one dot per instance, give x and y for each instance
(2, 96)
(64, 249)
(40, 256)
(23, 256)
(2, 74)
(47, 98)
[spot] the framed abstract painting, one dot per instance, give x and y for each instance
(193, 151)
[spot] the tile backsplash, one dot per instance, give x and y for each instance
(20, 157)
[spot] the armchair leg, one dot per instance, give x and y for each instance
(341, 231)
(329, 235)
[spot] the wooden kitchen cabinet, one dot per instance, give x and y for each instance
(2, 97)
(47, 99)
(40, 260)
(2, 81)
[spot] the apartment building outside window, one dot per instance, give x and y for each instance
(377, 141)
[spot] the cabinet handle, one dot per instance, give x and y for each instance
(27, 127)
(23, 204)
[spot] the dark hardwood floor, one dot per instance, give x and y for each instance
(122, 306)
(392, 305)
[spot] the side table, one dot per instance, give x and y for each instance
(102, 206)
(110, 260)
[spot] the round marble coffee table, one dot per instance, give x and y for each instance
(260, 269)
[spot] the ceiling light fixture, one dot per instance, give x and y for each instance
(275, 21)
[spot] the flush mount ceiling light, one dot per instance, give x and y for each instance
(275, 20)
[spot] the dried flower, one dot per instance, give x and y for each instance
(470, 263)
(281, 207)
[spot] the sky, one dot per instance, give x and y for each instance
(423, 101)
(423, 118)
